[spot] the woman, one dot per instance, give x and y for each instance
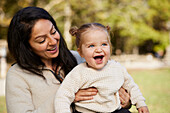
(42, 61)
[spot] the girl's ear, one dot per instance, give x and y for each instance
(79, 51)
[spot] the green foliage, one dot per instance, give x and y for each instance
(139, 21)
(132, 22)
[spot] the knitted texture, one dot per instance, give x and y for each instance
(30, 93)
(107, 80)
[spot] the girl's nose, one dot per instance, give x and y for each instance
(98, 49)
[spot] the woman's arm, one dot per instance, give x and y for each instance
(87, 94)
(19, 97)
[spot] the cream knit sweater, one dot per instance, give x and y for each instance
(108, 81)
(30, 93)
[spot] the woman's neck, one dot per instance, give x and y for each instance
(48, 64)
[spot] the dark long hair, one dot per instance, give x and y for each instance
(19, 33)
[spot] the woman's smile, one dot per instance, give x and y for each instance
(45, 40)
(52, 50)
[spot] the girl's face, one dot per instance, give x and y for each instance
(44, 40)
(95, 48)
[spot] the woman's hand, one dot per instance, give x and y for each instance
(85, 94)
(124, 98)
(143, 109)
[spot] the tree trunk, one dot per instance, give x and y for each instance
(67, 24)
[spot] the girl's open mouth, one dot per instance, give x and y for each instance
(99, 59)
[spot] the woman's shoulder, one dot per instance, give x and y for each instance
(15, 67)
(16, 71)
(77, 56)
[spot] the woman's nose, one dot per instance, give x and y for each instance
(52, 40)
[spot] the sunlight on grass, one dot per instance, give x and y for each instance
(2, 105)
(154, 84)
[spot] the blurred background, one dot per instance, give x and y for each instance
(140, 36)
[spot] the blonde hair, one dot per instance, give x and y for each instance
(78, 32)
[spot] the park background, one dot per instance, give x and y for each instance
(140, 36)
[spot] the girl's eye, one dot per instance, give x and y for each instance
(104, 44)
(91, 46)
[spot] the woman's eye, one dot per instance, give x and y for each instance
(42, 41)
(91, 46)
(54, 32)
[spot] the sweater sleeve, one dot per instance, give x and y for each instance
(136, 96)
(66, 93)
(18, 96)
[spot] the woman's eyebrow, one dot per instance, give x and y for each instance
(39, 36)
(52, 27)
(45, 34)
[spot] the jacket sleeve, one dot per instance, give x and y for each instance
(136, 96)
(18, 96)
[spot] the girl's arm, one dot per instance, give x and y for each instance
(87, 94)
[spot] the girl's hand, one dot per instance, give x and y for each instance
(85, 94)
(143, 109)
(124, 98)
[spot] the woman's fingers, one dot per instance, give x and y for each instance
(124, 98)
(81, 98)
(143, 109)
(88, 92)
(85, 94)
(122, 101)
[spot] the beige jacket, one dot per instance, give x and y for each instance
(29, 93)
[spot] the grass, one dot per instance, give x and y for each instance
(154, 85)
(2, 105)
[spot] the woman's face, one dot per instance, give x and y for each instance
(44, 40)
